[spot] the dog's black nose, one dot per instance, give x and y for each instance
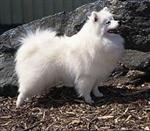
(119, 22)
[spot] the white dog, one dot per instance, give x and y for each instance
(82, 61)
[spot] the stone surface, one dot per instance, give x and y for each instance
(137, 60)
(135, 28)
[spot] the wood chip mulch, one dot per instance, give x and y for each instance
(61, 110)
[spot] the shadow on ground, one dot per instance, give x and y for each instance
(60, 96)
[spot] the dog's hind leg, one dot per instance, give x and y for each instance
(20, 99)
(24, 93)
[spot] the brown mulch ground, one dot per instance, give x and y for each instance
(121, 108)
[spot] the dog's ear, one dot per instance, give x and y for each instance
(94, 16)
(106, 9)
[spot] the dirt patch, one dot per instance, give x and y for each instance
(126, 108)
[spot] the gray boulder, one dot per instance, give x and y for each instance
(135, 28)
(137, 60)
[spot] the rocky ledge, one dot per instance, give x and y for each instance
(135, 28)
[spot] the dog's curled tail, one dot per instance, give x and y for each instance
(32, 41)
(37, 36)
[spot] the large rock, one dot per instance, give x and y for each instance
(133, 14)
(137, 60)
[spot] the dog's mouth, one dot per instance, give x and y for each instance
(115, 31)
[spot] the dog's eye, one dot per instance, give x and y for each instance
(108, 22)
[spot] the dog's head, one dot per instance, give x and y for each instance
(103, 21)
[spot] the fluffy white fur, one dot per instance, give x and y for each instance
(82, 61)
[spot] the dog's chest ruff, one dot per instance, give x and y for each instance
(106, 58)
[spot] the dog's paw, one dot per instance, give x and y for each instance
(98, 94)
(89, 100)
(20, 100)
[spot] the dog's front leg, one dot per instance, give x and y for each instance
(84, 87)
(96, 92)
